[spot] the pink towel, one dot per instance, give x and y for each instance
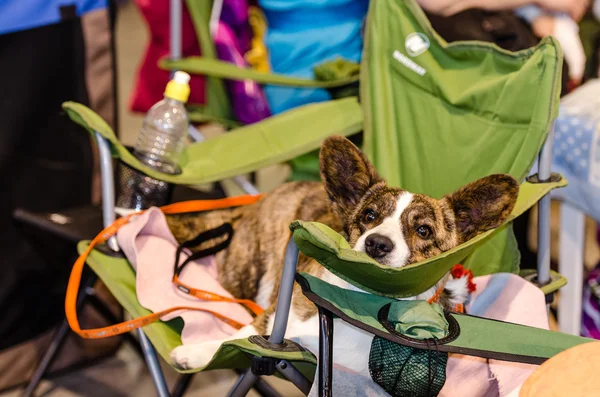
(505, 297)
(150, 247)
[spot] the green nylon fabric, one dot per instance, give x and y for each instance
(275, 140)
(476, 110)
(119, 277)
(306, 167)
(418, 319)
(330, 249)
(557, 281)
(217, 105)
(336, 69)
(225, 70)
(199, 114)
(338, 75)
(475, 332)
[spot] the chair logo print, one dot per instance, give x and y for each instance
(416, 43)
(406, 61)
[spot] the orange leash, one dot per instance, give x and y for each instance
(210, 296)
(127, 326)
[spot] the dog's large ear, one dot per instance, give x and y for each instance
(483, 204)
(346, 173)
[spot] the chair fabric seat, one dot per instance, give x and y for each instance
(119, 277)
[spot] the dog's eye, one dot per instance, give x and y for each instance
(369, 215)
(424, 231)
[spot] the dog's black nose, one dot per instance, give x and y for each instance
(378, 246)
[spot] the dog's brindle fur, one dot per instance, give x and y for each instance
(354, 201)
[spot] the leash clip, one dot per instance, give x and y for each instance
(183, 289)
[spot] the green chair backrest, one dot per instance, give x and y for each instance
(440, 115)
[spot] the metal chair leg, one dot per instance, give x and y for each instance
(243, 385)
(262, 387)
(153, 365)
(292, 374)
(57, 341)
(325, 352)
(182, 385)
(570, 264)
(544, 174)
(47, 359)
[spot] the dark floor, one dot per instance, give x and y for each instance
(125, 375)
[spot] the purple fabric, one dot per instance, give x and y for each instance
(590, 316)
(232, 41)
(235, 15)
(248, 99)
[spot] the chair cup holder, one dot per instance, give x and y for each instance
(137, 191)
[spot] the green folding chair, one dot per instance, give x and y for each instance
(217, 107)
(432, 121)
(267, 147)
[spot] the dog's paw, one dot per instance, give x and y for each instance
(194, 356)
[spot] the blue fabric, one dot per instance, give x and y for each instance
(16, 15)
(576, 149)
(306, 33)
(529, 12)
(490, 294)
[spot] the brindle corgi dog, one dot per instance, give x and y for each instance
(391, 225)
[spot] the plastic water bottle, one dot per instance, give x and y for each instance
(165, 128)
(159, 146)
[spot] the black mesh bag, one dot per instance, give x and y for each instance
(136, 190)
(405, 371)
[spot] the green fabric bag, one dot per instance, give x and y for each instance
(418, 319)
(440, 115)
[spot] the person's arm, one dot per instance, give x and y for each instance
(575, 8)
(451, 7)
